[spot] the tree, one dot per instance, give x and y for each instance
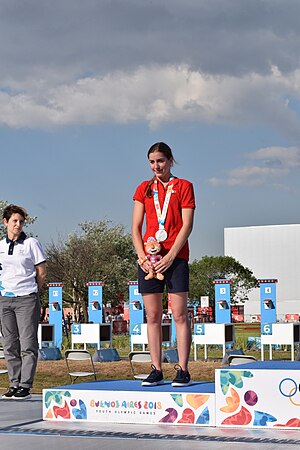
(98, 252)
(3, 205)
(210, 268)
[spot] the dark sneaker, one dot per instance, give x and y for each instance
(22, 393)
(10, 392)
(154, 378)
(182, 378)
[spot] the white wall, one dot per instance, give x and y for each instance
(271, 251)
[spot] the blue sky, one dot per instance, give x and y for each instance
(87, 87)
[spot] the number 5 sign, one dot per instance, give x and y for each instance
(199, 329)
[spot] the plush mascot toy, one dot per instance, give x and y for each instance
(152, 248)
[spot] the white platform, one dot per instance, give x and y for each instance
(263, 394)
(129, 402)
(258, 395)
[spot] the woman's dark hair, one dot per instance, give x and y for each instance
(14, 209)
(162, 148)
(166, 151)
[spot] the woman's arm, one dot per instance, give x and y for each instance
(136, 229)
(136, 233)
(40, 274)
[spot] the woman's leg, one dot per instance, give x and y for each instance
(183, 328)
(153, 306)
(10, 340)
(27, 315)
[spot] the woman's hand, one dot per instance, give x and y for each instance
(144, 264)
(162, 265)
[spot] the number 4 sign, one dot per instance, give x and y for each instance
(136, 329)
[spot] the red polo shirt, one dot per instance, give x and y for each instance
(182, 197)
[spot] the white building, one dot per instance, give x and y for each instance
(271, 251)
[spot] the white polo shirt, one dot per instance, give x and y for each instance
(17, 265)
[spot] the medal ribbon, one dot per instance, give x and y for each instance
(162, 214)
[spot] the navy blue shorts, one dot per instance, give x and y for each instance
(176, 279)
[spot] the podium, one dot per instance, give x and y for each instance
(127, 402)
(261, 395)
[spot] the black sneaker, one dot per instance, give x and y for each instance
(182, 378)
(10, 392)
(22, 393)
(154, 378)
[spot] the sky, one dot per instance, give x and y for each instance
(86, 87)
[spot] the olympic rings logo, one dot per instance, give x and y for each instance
(288, 388)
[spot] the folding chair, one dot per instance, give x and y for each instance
(2, 371)
(135, 359)
(73, 356)
(234, 360)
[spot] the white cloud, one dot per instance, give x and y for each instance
(279, 156)
(275, 163)
(155, 95)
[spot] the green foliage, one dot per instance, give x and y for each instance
(3, 205)
(122, 343)
(98, 252)
(210, 268)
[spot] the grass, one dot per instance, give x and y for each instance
(54, 373)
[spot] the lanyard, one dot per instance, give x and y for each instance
(162, 214)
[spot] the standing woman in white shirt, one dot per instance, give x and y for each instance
(22, 274)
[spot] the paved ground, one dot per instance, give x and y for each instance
(21, 426)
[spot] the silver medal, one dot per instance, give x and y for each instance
(161, 235)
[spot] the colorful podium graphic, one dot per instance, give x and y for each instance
(255, 395)
(258, 395)
(127, 402)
